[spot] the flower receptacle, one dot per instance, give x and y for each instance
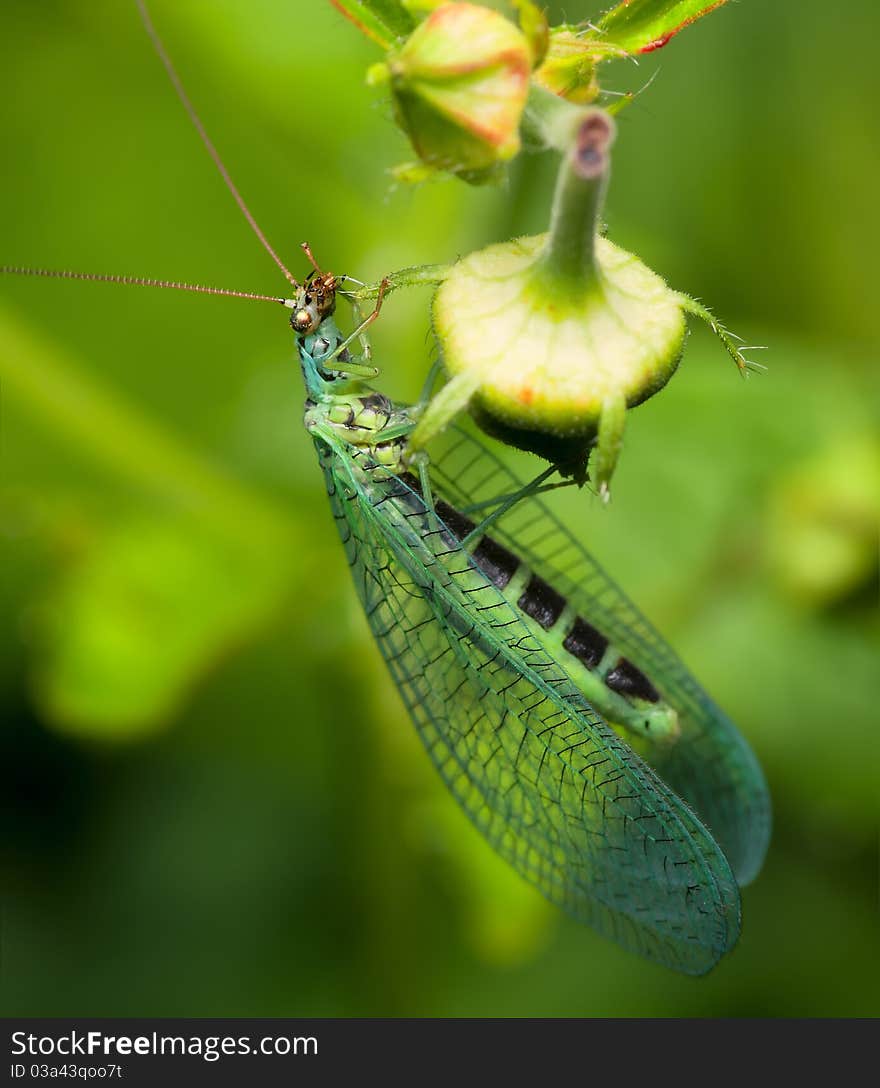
(561, 332)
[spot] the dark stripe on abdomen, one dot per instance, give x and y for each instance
(495, 561)
(459, 525)
(411, 482)
(627, 680)
(541, 602)
(586, 643)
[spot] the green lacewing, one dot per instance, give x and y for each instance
(565, 726)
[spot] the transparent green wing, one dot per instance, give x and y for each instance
(711, 766)
(549, 784)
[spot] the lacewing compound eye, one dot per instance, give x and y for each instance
(304, 321)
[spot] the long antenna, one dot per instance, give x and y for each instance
(137, 281)
(206, 139)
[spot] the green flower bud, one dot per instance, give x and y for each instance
(550, 339)
(548, 360)
(459, 85)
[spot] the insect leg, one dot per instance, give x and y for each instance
(524, 492)
(366, 346)
(421, 462)
(359, 331)
(388, 434)
(490, 504)
(424, 275)
(427, 388)
(452, 399)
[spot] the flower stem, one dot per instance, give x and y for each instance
(569, 257)
(549, 121)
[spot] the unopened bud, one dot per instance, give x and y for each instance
(459, 85)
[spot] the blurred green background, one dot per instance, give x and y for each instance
(212, 800)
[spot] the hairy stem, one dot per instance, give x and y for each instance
(569, 259)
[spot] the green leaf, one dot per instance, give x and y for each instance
(129, 631)
(100, 424)
(641, 26)
(150, 603)
(822, 525)
(384, 21)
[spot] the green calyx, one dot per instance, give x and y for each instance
(557, 332)
(547, 363)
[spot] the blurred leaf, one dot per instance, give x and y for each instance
(99, 423)
(505, 919)
(804, 690)
(502, 918)
(825, 516)
(131, 627)
(382, 20)
(641, 26)
(154, 601)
